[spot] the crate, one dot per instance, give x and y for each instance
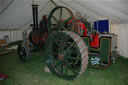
(3, 42)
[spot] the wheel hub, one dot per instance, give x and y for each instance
(21, 53)
(61, 56)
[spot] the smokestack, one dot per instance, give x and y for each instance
(35, 16)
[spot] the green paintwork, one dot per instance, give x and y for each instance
(59, 25)
(104, 51)
(61, 11)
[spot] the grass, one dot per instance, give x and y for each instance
(32, 73)
(2, 48)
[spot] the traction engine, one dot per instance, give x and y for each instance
(70, 44)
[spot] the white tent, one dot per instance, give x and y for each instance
(17, 15)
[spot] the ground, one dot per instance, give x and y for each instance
(32, 73)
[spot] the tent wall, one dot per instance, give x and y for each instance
(122, 32)
(13, 35)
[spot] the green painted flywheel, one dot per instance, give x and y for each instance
(61, 18)
(66, 54)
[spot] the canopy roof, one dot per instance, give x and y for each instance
(17, 14)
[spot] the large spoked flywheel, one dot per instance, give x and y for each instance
(61, 18)
(23, 53)
(66, 54)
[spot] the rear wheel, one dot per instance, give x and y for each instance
(66, 54)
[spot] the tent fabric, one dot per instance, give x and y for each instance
(17, 14)
(12, 35)
(114, 10)
(122, 38)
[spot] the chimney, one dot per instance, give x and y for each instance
(35, 16)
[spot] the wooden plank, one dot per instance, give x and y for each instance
(5, 52)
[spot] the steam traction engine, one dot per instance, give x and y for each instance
(70, 43)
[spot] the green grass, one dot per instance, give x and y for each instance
(3, 48)
(32, 73)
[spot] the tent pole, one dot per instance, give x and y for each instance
(53, 2)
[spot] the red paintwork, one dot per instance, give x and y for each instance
(39, 37)
(82, 28)
(3, 76)
(95, 41)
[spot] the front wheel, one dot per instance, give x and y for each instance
(23, 53)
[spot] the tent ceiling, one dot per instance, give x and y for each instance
(19, 13)
(16, 14)
(115, 10)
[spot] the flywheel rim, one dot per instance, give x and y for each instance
(73, 28)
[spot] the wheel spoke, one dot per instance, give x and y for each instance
(24, 54)
(62, 38)
(55, 53)
(62, 67)
(65, 39)
(75, 67)
(55, 48)
(55, 19)
(70, 46)
(58, 63)
(62, 26)
(67, 20)
(54, 28)
(57, 43)
(74, 58)
(61, 14)
(66, 70)
(73, 70)
(60, 44)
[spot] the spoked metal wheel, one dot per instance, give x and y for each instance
(66, 54)
(61, 18)
(23, 53)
